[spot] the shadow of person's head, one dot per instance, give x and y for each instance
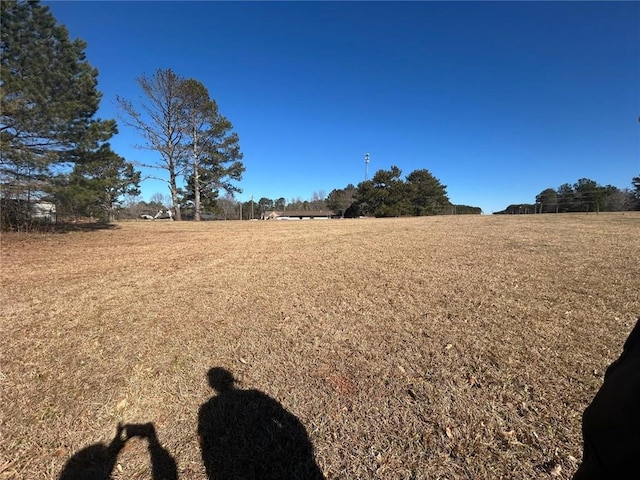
(221, 380)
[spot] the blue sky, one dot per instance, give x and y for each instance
(498, 100)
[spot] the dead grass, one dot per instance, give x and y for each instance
(439, 348)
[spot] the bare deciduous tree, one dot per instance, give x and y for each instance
(161, 199)
(160, 120)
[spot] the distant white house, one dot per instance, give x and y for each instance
(43, 211)
(19, 212)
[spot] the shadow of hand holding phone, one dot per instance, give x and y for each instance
(96, 462)
(245, 434)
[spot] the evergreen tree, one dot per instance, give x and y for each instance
(96, 184)
(566, 198)
(547, 201)
(428, 196)
(280, 204)
(48, 98)
(250, 210)
(208, 198)
(387, 195)
(213, 162)
(589, 196)
(265, 204)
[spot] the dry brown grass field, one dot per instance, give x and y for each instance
(422, 348)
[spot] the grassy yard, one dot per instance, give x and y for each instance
(422, 348)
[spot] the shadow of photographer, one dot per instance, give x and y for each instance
(611, 423)
(245, 434)
(96, 462)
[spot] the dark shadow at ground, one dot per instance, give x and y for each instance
(611, 423)
(60, 227)
(245, 434)
(96, 461)
(66, 227)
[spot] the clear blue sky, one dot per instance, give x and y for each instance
(498, 100)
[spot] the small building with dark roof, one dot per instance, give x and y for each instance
(301, 215)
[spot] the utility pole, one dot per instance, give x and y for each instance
(366, 167)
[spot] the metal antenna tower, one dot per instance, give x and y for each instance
(366, 167)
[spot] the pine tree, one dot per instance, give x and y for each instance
(96, 184)
(387, 195)
(428, 196)
(213, 162)
(48, 98)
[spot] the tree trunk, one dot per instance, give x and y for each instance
(196, 191)
(173, 187)
(196, 177)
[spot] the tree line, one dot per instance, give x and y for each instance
(585, 195)
(387, 194)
